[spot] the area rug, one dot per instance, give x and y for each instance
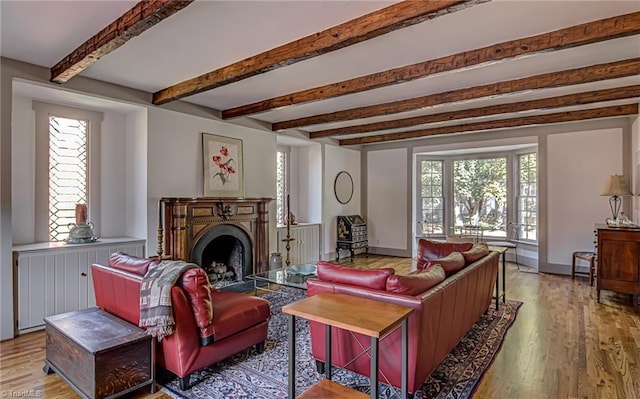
(248, 375)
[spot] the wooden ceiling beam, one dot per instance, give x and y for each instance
(591, 32)
(618, 93)
(570, 116)
(136, 20)
(394, 17)
(568, 77)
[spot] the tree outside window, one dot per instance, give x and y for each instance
(431, 189)
(480, 194)
(527, 196)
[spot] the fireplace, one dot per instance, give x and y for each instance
(226, 253)
(227, 237)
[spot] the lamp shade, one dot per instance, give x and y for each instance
(616, 185)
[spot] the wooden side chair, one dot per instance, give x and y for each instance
(586, 256)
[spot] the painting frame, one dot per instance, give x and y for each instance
(222, 164)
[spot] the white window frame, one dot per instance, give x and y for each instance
(445, 205)
(43, 111)
(287, 172)
(512, 184)
(516, 191)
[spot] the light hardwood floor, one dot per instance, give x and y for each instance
(562, 344)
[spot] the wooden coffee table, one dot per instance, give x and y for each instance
(361, 315)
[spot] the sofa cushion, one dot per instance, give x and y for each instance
(431, 250)
(416, 283)
(370, 278)
(451, 263)
(236, 312)
(196, 285)
(131, 264)
(477, 252)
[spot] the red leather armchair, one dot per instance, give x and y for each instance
(210, 325)
(442, 316)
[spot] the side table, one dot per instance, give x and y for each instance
(374, 319)
(502, 251)
(99, 354)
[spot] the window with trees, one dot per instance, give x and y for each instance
(480, 194)
(527, 204)
(432, 197)
(479, 191)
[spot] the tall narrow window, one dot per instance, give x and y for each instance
(281, 186)
(67, 168)
(68, 180)
(431, 196)
(480, 194)
(527, 196)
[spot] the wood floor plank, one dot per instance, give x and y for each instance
(562, 345)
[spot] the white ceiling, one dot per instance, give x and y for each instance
(210, 34)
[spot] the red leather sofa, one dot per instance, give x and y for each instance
(210, 325)
(443, 313)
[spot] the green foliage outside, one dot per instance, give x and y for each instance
(480, 192)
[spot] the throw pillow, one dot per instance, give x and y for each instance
(416, 283)
(430, 250)
(477, 252)
(451, 263)
(369, 278)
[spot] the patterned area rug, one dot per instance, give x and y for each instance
(264, 376)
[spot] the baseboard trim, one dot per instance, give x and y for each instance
(401, 253)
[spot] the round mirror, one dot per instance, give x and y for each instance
(343, 187)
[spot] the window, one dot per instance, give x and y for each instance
(67, 168)
(431, 197)
(68, 177)
(527, 204)
(489, 190)
(480, 194)
(281, 186)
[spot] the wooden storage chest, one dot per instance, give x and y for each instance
(98, 354)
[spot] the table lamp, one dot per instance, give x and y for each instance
(616, 187)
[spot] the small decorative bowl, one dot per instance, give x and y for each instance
(302, 270)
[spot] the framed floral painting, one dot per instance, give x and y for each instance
(223, 174)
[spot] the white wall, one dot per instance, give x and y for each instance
(175, 162)
(23, 171)
(338, 159)
(306, 182)
(112, 173)
(6, 265)
(388, 197)
(635, 172)
(135, 146)
(578, 166)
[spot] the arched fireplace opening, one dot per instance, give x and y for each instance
(225, 252)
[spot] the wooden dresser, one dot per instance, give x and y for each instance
(352, 234)
(618, 260)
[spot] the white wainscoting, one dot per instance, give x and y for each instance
(305, 247)
(55, 278)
